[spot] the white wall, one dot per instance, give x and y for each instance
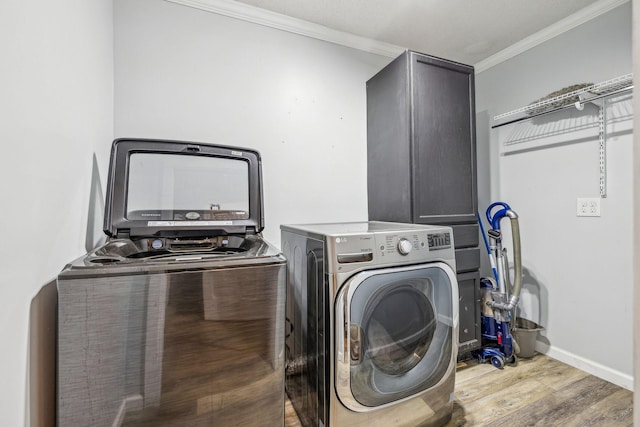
(578, 271)
(56, 108)
(187, 74)
(636, 216)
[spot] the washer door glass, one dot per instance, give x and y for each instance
(399, 337)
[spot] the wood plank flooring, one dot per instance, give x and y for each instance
(537, 392)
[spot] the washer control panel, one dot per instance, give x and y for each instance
(401, 244)
(354, 250)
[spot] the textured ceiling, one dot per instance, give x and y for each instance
(466, 31)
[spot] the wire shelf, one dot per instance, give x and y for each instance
(577, 98)
(583, 95)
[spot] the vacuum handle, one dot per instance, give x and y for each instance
(494, 219)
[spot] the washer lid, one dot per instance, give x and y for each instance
(177, 188)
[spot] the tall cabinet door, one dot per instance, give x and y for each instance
(444, 158)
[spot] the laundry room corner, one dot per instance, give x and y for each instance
(271, 213)
(544, 165)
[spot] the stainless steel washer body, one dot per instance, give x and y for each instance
(178, 319)
(372, 312)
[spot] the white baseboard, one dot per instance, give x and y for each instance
(616, 377)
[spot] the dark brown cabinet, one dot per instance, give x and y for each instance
(469, 314)
(421, 161)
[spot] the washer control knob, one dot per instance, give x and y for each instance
(404, 246)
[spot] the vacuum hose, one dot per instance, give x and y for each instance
(517, 265)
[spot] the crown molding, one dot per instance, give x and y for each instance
(282, 22)
(583, 15)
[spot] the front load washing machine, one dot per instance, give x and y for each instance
(372, 323)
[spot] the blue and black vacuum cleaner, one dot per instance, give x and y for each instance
(499, 298)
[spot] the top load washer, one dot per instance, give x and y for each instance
(372, 312)
(178, 319)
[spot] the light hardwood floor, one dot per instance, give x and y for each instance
(537, 392)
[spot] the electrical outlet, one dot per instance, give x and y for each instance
(588, 206)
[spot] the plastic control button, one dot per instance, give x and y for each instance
(404, 246)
